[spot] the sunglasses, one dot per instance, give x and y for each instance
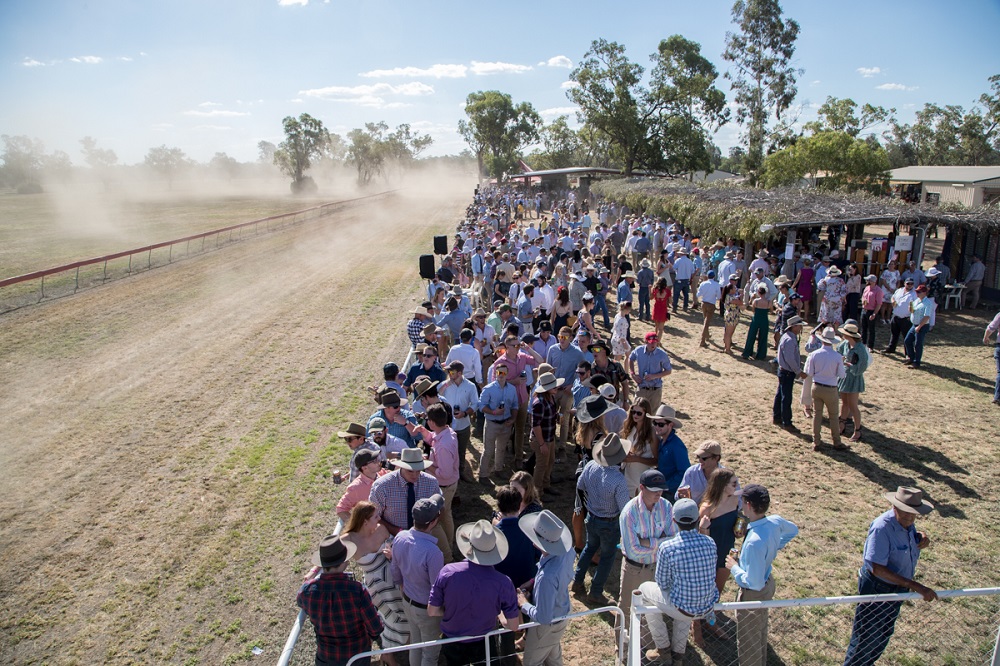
(581, 372)
(638, 412)
(660, 424)
(429, 355)
(565, 337)
(704, 458)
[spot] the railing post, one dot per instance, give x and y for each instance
(170, 253)
(149, 259)
(77, 287)
(996, 650)
(105, 271)
(42, 294)
(130, 264)
(634, 656)
(487, 639)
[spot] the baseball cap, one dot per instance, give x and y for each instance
(653, 479)
(363, 457)
(376, 423)
(427, 509)
(685, 512)
(756, 494)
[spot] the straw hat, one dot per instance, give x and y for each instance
(665, 413)
(850, 330)
(834, 271)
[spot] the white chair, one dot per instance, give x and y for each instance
(954, 294)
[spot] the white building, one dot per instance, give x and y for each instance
(968, 185)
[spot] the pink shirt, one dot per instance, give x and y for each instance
(871, 299)
(514, 369)
(359, 490)
(444, 454)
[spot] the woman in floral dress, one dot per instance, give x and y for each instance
(831, 310)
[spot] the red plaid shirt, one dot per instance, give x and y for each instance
(343, 615)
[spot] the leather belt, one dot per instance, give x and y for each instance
(826, 385)
(414, 603)
(640, 565)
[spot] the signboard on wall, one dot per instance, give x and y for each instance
(904, 243)
(880, 244)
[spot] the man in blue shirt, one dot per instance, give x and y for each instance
(565, 359)
(920, 323)
(624, 293)
(766, 535)
(648, 365)
(685, 584)
(672, 454)
(890, 560)
(550, 590)
(426, 366)
(499, 404)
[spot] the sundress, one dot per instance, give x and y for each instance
(831, 310)
(386, 597)
(732, 315)
(619, 337)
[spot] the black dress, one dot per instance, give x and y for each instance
(721, 531)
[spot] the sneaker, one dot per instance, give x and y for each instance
(659, 656)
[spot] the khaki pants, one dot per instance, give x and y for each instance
(447, 520)
(543, 464)
(829, 397)
(443, 542)
(496, 434)
(564, 401)
(520, 421)
(654, 395)
(631, 578)
(423, 628)
(707, 311)
(972, 293)
(543, 645)
(676, 640)
(751, 626)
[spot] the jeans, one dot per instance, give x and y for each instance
(644, 302)
(914, 344)
(601, 306)
(603, 534)
(996, 357)
(682, 286)
(782, 408)
(868, 327)
(873, 623)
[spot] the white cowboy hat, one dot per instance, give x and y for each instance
(547, 532)
(412, 459)
(481, 543)
(547, 382)
(665, 413)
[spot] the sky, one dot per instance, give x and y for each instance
(213, 76)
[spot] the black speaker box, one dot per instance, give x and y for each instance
(440, 245)
(427, 266)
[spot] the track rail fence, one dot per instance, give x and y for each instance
(34, 287)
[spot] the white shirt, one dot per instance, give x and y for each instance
(544, 297)
(760, 263)
(461, 398)
(709, 291)
(470, 358)
(726, 269)
(901, 302)
(683, 268)
(825, 366)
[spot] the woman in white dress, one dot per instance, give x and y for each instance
(620, 346)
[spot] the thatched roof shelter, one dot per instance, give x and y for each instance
(759, 215)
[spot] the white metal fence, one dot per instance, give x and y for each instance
(959, 629)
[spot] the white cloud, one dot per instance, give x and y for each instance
(213, 128)
(210, 104)
(216, 113)
(370, 95)
(143, 54)
(815, 83)
(87, 60)
(566, 85)
(557, 61)
(439, 71)
(297, 100)
(486, 68)
(161, 127)
(31, 62)
(869, 72)
(288, 3)
(895, 86)
(558, 111)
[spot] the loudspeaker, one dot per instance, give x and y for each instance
(427, 271)
(440, 245)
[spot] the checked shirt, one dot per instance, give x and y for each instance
(342, 614)
(685, 569)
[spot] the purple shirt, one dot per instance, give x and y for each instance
(472, 596)
(416, 563)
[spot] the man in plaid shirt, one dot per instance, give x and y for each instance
(340, 608)
(685, 584)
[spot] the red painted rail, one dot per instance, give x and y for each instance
(42, 274)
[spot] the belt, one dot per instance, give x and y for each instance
(826, 385)
(596, 517)
(640, 565)
(685, 613)
(495, 421)
(414, 603)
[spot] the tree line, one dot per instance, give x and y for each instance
(373, 151)
(664, 121)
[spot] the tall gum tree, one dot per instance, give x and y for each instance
(497, 130)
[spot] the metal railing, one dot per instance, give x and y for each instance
(68, 276)
(962, 628)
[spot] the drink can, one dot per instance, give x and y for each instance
(337, 476)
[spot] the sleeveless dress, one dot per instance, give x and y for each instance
(831, 310)
(732, 316)
(854, 382)
(721, 531)
(634, 470)
(660, 306)
(561, 319)
(386, 597)
(805, 286)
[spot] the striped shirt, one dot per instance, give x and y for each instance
(605, 489)
(637, 522)
(685, 570)
(389, 495)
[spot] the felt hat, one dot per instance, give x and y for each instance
(828, 336)
(592, 408)
(481, 543)
(548, 382)
(333, 551)
(609, 452)
(422, 385)
(665, 413)
(353, 430)
(412, 459)
(910, 500)
(547, 532)
(794, 321)
(392, 399)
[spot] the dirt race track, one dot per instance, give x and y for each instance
(168, 440)
(166, 437)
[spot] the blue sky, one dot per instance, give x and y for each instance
(219, 75)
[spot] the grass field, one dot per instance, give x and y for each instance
(169, 440)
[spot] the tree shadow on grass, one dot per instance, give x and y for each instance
(960, 377)
(682, 363)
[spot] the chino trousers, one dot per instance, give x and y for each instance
(675, 640)
(751, 626)
(632, 577)
(707, 312)
(423, 628)
(496, 434)
(543, 463)
(543, 644)
(654, 395)
(564, 402)
(829, 397)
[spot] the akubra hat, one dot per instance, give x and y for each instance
(481, 543)
(353, 430)
(333, 552)
(423, 385)
(834, 271)
(547, 532)
(794, 321)
(665, 413)
(412, 459)
(850, 330)
(828, 336)
(609, 452)
(592, 408)
(780, 280)
(910, 500)
(548, 382)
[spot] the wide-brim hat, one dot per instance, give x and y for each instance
(548, 382)
(665, 413)
(828, 336)
(683, 250)
(909, 500)
(794, 321)
(333, 551)
(718, 245)
(600, 344)
(479, 313)
(628, 274)
(780, 280)
(391, 399)
(932, 272)
(353, 430)
(644, 263)
(547, 532)
(420, 311)
(592, 408)
(730, 255)
(422, 385)
(609, 452)
(762, 254)
(412, 459)
(850, 330)
(428, 329)
(834, 271)
(481, 543)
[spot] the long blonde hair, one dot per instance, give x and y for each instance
(360, 514)
(717, 483)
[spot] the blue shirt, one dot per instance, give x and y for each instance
(494, 395)
(892, 545)
(765, 537)
(519, 565)
(453, 322)
(551, 589)
(672, 461)
(394, 429)
(650, 363)
(579, 392)
(416, 562)
(624, 292)
(564, 362)
(685, 571)
(605, 489)
(436, 374)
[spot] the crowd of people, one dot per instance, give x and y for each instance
(515, 343)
